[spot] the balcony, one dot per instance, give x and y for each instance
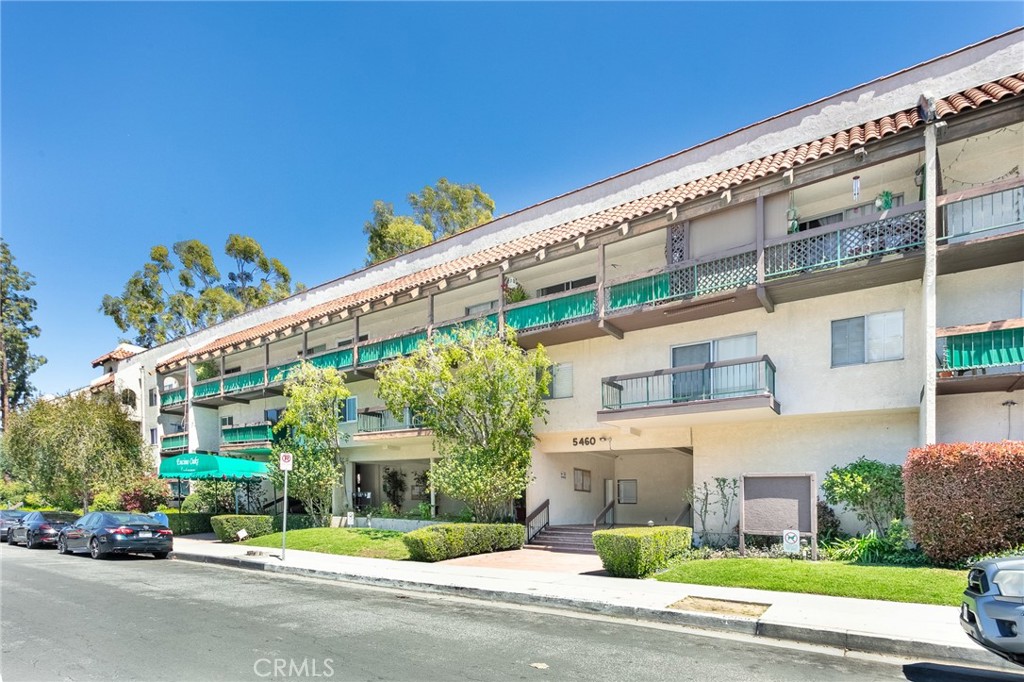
(237, 383)
(730, 390)
(249, 438)
(981, 357)
(448, 330)
(553, 311)
(206, 389)
(174, 443)
(981, 227)
(394, 347)
(173, 401)
(379, 420)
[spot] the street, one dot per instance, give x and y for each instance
(136, 618)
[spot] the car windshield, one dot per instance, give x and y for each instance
(127, 517)
(59, 517)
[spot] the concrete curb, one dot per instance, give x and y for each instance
(841, 639)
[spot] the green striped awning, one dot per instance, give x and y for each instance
(194, 466)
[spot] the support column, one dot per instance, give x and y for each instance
(926, 421)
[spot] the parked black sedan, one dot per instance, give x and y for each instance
(39, 528)
(105, 533)
(8, 519)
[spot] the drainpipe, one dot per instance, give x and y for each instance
(926, 422)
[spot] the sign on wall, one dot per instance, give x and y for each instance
(783, 505)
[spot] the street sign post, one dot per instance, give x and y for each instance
(285, 463)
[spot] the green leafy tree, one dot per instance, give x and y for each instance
(389, 235)
(448, 208)
(16, 362)
(873, 490)
(310, 424)
(480, 393)
(74, 446)
(180, 289)
(445, 209)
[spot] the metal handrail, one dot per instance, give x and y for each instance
(541, 508)
(612, 380)
(604, 512)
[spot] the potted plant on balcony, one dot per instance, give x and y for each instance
(513, 291)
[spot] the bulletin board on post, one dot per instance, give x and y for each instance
(771, 504)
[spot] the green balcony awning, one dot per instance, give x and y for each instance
(211, 467)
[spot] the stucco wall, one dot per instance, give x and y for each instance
(979, 417)
(661, 480)
(982, 295)
(569, 506)
(801, 444)
(722, 230)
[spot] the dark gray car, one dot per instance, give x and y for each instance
(992, 612)
(104, 533)
(8, 519)
(39, 528)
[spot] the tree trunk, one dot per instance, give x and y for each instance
(85, 503)
(5, 400)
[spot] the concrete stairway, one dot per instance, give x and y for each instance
(564, 539)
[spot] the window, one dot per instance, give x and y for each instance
(152, 436)
(479, 308)
(152, 397)
(566, 286)
(351, 405)
(720, 382)
(581, 480)
(872, 338)
(273, 416)
(226, 422)
(561, 381)
(232, 370)
(847, 214)
(179, 489)
(627, 491)
(320, 348)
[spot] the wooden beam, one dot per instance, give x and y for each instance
(765, 298)
(610, 329)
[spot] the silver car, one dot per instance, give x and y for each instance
(992, 612)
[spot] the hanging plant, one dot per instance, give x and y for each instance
(513, 291)
(883, 202)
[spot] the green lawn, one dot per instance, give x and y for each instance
(890, 583)
(367, 542)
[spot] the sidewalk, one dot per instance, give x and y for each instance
(915, 631)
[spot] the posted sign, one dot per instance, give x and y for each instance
(791, 541)
(285, 461)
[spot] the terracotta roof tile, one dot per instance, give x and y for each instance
(116, 354)
(104, 381)
(779, 161)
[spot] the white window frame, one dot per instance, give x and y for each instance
(563, 367)
(869, 358)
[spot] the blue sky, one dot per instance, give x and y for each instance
(126, 125)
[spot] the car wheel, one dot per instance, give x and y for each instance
(94, 549)
(29, 544)
(160, 555)
(10, 539)
(62, 545)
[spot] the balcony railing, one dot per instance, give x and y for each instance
(177, 441)
(386, 349)
(206, 389)
(448, 330)
(983, 349)
(258, 433)
(820, 249)
(172, 398)
(984, 213)
(377, 421)
(553, 310)
(281, 372)
(710, 381)
(243, 382)
(685, 280)
(338, 359)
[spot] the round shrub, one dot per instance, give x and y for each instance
(873, 490)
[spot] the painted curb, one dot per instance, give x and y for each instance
(842, 639)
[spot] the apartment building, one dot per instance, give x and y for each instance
(843, 279)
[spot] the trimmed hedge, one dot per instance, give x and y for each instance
(189, 524)
(227, 526)
(639, 552)
(450, 540)
(965, 499)
(295, 522)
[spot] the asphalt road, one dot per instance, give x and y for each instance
(136, 618)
